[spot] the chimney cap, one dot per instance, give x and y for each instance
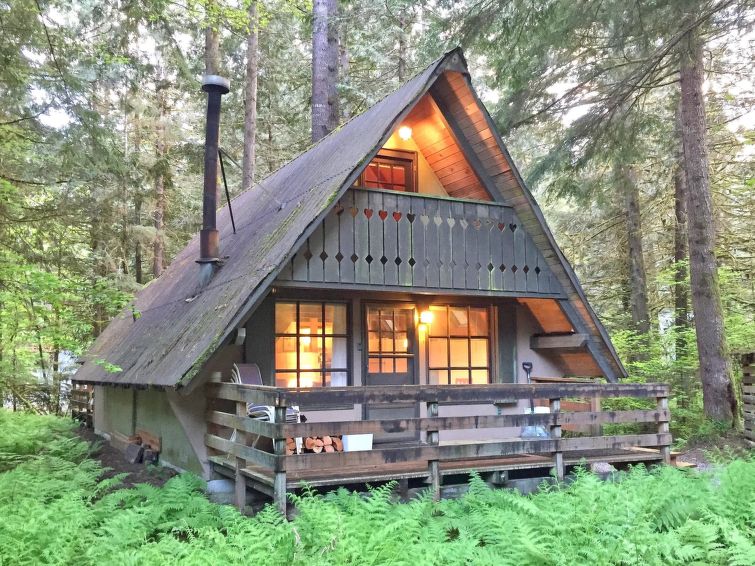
(215, 83)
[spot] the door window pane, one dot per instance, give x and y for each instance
(459, 377)
(389, 340)
(438, 377)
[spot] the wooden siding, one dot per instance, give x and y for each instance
(392, 239)
(437, 143)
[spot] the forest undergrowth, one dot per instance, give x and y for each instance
(56, 509)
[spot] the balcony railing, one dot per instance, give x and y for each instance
(427, 458)
(397, 240)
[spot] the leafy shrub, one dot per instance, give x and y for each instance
(56, 509)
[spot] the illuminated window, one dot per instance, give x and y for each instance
(311, 344)
(459, 345)
(391, 169)
(390, 340)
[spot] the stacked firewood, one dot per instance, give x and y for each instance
(315, 444)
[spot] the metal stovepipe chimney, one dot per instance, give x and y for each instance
(209, 239)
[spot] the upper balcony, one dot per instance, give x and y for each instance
(400, 240)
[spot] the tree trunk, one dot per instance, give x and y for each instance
(158, 246)
(402, 46)
(250, 100)
(681, 294)
(211, 43)
(715, 370)
(626, 178)
(324, 68)
(138, 270)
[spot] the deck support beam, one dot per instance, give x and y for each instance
(558, 456)
(433, 438)
(242, 438)
(279, 447)
(663, 428)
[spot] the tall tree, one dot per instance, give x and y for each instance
(715, 370)
(325, 63)
(626, 182)
(250, 98)
(681, 294)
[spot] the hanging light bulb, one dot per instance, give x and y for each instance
(405, 133)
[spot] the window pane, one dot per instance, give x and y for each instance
(336, 355)
(386, 321)
(384, 174)
(285, 353)
(438, 350)
(403, 319)
(458, 323)
(374, 365)
(459, 377)
(479, 376)
(459, 353)
(438, 377)
(373, 343)
(285, 318)
(386, 343)
(438, 327)
(370, 174)
(373, 320)
(479, 353)
(285, 380)
(335, 318)
(478, 322)
(310, 379)
(336, 379)
(402, 365)
(310, 318)
(310, 353)
(399, 175)
(402, 342)
(386, 365)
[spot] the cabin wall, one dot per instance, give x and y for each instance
(124, 410)
(514, 327)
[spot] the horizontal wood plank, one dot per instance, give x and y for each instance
(424, 393)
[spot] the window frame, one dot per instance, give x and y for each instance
(490, 338)
(298, 335)
(393, 156)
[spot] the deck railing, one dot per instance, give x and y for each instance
(430, 451)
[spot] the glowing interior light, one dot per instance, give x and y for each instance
(306, 340)
(426, 317)
(405, 132)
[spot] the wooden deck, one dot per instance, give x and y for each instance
(427, 460)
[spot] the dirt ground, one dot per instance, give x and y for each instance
(115, 463)
(705, 454)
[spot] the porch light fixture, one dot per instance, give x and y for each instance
(405, 133)
(426, 317)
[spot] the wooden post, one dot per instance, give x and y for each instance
(595, 407)
(663, 428)
(433, 440)
(555, 408)
(241, 438)
(279, 447)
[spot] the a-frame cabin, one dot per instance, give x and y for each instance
(392, 282)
